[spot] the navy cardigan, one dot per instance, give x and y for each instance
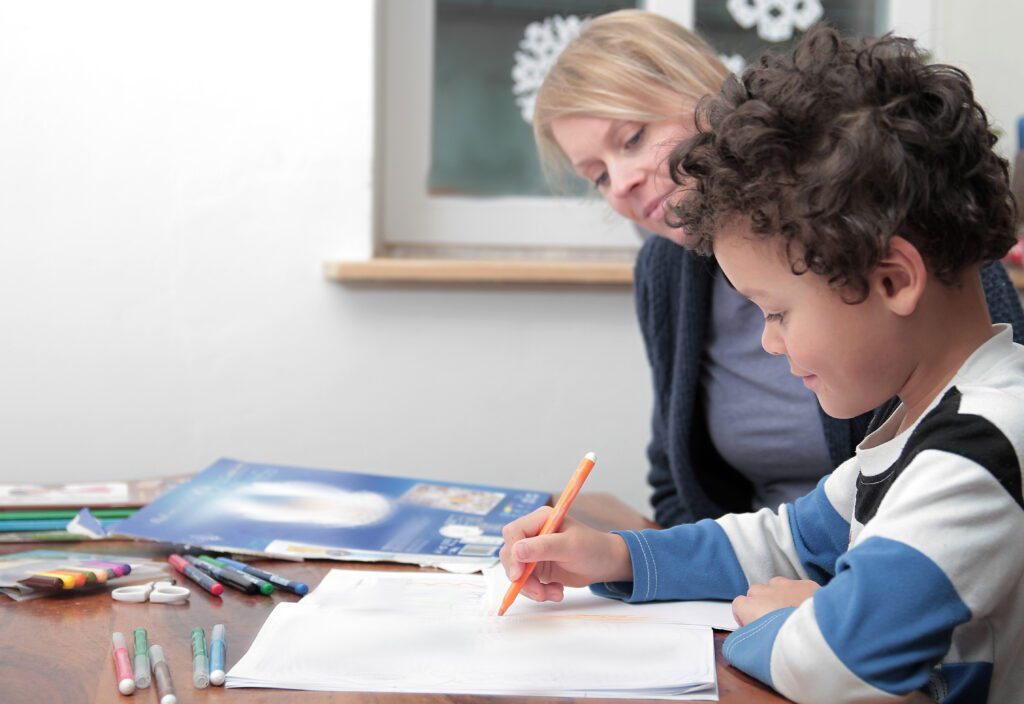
(689, 479)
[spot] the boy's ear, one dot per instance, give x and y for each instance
(900, 278)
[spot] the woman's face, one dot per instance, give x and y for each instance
(628, 164)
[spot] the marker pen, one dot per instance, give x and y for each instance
(197, 576)
(221, 575)
(162, 674)
(218, 650)
(122, 665)
(200, 663)
(283, 582)
(142, 679)
(262, 586)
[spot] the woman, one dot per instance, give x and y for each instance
(732, 429)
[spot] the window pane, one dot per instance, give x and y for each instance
(741, 29)
(480, 144)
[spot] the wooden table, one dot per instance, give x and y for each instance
(58, 649)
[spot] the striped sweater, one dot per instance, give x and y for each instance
(917, 541)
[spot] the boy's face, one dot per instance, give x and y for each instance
(839, 350)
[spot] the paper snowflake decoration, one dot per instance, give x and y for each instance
(734, 62)
(540, 46)
(775, 19)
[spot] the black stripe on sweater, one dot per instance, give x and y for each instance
(947, 430)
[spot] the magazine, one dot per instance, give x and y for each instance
(294, 512)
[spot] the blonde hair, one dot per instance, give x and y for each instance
(626, 65)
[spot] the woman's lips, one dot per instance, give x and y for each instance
(654, 205)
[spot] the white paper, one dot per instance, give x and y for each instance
(422, 591)
(716, 614)
(391, 631)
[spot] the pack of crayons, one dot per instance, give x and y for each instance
(35, 573)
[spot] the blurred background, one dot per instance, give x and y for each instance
(174, 177)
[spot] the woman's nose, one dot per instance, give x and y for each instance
(625, 176)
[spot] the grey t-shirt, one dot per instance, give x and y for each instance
(762, 420)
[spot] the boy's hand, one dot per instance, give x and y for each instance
(575, 556)
(779, 593)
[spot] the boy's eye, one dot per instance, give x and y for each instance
(773, 317)
(601, 180)
(635, 139)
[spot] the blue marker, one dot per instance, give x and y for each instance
(217, 649)
(297, 587)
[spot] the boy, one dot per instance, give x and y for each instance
(850, 190)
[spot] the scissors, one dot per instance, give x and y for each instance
(156, 592)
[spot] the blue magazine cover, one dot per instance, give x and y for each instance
(295, 512)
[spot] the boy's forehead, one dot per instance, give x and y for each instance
(749, 260)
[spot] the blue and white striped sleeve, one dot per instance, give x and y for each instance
(933, 556)
(721, 559)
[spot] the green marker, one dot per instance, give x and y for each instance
(200, 662)
(141, 659)
(265, 588)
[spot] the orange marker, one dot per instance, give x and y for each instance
(553, 523)
(70, 579)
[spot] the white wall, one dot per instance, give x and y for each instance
(985, 39)
(172, 176)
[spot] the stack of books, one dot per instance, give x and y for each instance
(42, 512)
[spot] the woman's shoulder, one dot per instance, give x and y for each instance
(659, 263)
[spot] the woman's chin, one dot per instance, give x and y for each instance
(675, 234)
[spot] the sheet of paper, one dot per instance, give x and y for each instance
(716, 614)
(339, 648)
(387, 591)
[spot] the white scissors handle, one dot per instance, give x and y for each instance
(156, 592)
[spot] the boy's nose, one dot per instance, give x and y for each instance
(771, 341)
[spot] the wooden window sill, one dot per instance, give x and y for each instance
(480, 271)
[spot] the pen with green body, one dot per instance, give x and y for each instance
(142, 679)
(200, 661)
(265, 588)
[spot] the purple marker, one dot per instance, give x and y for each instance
(120, 569)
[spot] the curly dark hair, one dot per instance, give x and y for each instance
(841, 144)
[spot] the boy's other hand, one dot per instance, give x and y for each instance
(779, 593)
(575, 556)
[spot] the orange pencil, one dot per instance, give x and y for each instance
(553, 523)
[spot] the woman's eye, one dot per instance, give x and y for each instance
(773, 317)
(635, 139)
